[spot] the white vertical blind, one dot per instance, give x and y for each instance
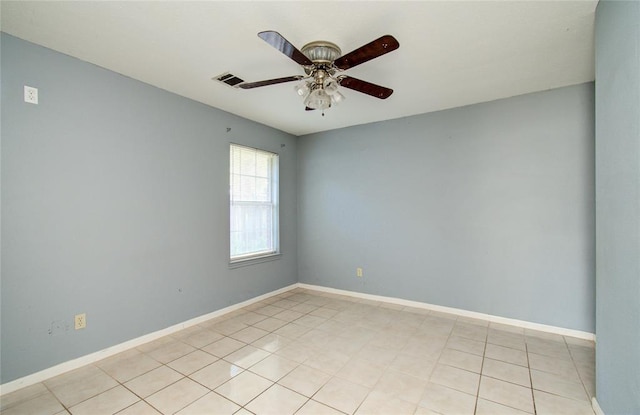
(253, 202)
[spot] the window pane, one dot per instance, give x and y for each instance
(253, 202)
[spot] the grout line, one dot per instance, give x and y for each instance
(475, 409)
(358, 317)
(533, 399)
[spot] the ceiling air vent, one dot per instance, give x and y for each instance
(229, 79)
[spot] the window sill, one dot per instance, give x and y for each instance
(255, 260)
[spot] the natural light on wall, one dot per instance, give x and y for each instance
(253, 194)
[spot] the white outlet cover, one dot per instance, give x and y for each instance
(30, 94)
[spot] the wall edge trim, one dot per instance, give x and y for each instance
(457, 311)
(76, 363)
(596, 406)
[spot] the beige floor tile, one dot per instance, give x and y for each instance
(548, 382)
(127, 365)
(363, 372)
(272, 342)
(425, 346)
(507, 372)
(438, 323)
(507, 339)
(549, 404)
(284, 303)
(270, 324)
(305, 380)
(506, 328)
(139, 408)
(310, 321)
(506, 393)
(42, 404)
(329, 361)
(177, 396)
(315, 339)
(447, 401)
(378, 355)
(561, 367)
(461, 360)
(223, 347)
(201, 338)
(354, 355)
(348, 346)
(249, 334)
(79, 385)
(472, 321)
(421, 410)
(246, 357)
(543, 335)
(406, 387)
(216, 374)
(411, 365)
(548, 348)
(334, 327)
(456, 378)
(377, 403)
(288, 315)
(506, 354)
(210, 404)
(466, 345)
(341, 394)
(192, 362)
(249, 318)
(324, 312)
(22, 395)
(268, 310)
(277, 400)
(243, 388)
(485, 407)
(384, 341)
(316, 408)
(292, 330)
(225, 327)
(152, 382)
(470, 331)
(273, 367)
(296, 352)
(304, 308)
(155, 344)
(171, 351)
(106, 403)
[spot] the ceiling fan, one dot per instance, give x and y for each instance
(322, 63)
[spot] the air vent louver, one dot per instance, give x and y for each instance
(229, 79)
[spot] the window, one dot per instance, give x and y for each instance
(253, 198)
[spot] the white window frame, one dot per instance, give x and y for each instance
(234, 201)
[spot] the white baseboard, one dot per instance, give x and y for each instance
(459, 312)
(118, 348)
(596, 406)
(113, 350)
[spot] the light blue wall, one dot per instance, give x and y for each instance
(115, 204)
(488, 208)
(618, 206)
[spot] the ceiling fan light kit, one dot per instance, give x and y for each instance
(322, 61)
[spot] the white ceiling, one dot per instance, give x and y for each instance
(452, 53)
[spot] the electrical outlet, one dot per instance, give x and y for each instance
(81, 321)
(31, 95)
(358, 272)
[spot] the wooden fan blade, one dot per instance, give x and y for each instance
(366, 87)
(276, 40)
(371, 50)
(249, 85)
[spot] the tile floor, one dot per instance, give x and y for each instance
(307, 352)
